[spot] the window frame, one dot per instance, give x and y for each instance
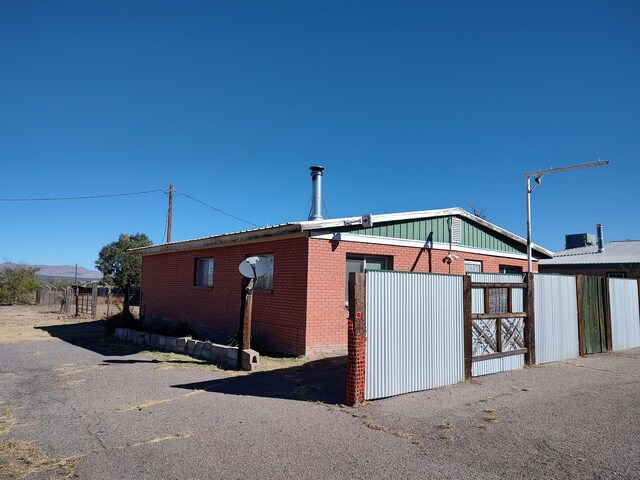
(474, 263)
(269, 275)
(518, 270)
(388, 262)
(198, 276)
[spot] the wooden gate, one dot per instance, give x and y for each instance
(594, 338)
(495, 331)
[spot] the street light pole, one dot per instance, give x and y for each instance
(538, 178)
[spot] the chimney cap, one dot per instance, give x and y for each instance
(316, 169)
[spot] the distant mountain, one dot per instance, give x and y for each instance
(62, 272)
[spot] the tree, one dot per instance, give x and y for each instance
(479, 212)
(18, 283)
(121, 267)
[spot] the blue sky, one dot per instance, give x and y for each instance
(408, 105)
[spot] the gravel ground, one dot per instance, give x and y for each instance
(93, 408)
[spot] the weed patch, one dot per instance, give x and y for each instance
(446, 426)
(21, 459)
(8, 420)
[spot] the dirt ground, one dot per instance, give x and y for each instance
(18, 324)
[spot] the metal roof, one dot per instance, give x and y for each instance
(325, 224)
(616, 252)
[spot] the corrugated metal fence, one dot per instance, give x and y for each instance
(556, 311)
(625, 315)
(415, 326)
(414, 332)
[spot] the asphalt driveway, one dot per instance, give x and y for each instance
(79, 405)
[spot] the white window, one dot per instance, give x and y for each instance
(266, 281)
(204, 272)
(359, 264)
(510, 269)
(472, 266)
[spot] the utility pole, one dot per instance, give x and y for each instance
(538, 178)
(170, 214)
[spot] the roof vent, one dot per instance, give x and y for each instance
(578, 240)
(456, 230)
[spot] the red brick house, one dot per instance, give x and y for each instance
(300, 306)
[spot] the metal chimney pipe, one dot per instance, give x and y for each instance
(600, 232)
(316, 190)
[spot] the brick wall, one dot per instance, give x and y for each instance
(306, 309)
(326, 310)
(279, 315)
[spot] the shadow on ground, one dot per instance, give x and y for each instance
(316, 381)
(92, 336)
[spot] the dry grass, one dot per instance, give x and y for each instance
(446, 426)
(153, 441)
(71, 383)
(70, 369)
(170, 360)
(374, 426)
(276, 363)
(22, 459)
(403, 434)
(490, 418)
(484, 426)
(448, 438)
(487, 399)
(489, 410)
(150, 403)
(18, 324)
(8, 420)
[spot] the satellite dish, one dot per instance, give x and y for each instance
(255, 267)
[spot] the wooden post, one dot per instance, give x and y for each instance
(638, 280)
(246, 307)
(468, 327)
(94, 300)
(607, 314)
(581, 350)
(246, 324)
(170, 213)
(530, 322)
(357, 339)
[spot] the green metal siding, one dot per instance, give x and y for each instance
(410, 230)
(473, 235)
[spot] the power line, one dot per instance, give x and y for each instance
(87, 197)
(52, 199)
(217, 209)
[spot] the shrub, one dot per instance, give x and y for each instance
(18, 284)
(180, 329)
(123, 320)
